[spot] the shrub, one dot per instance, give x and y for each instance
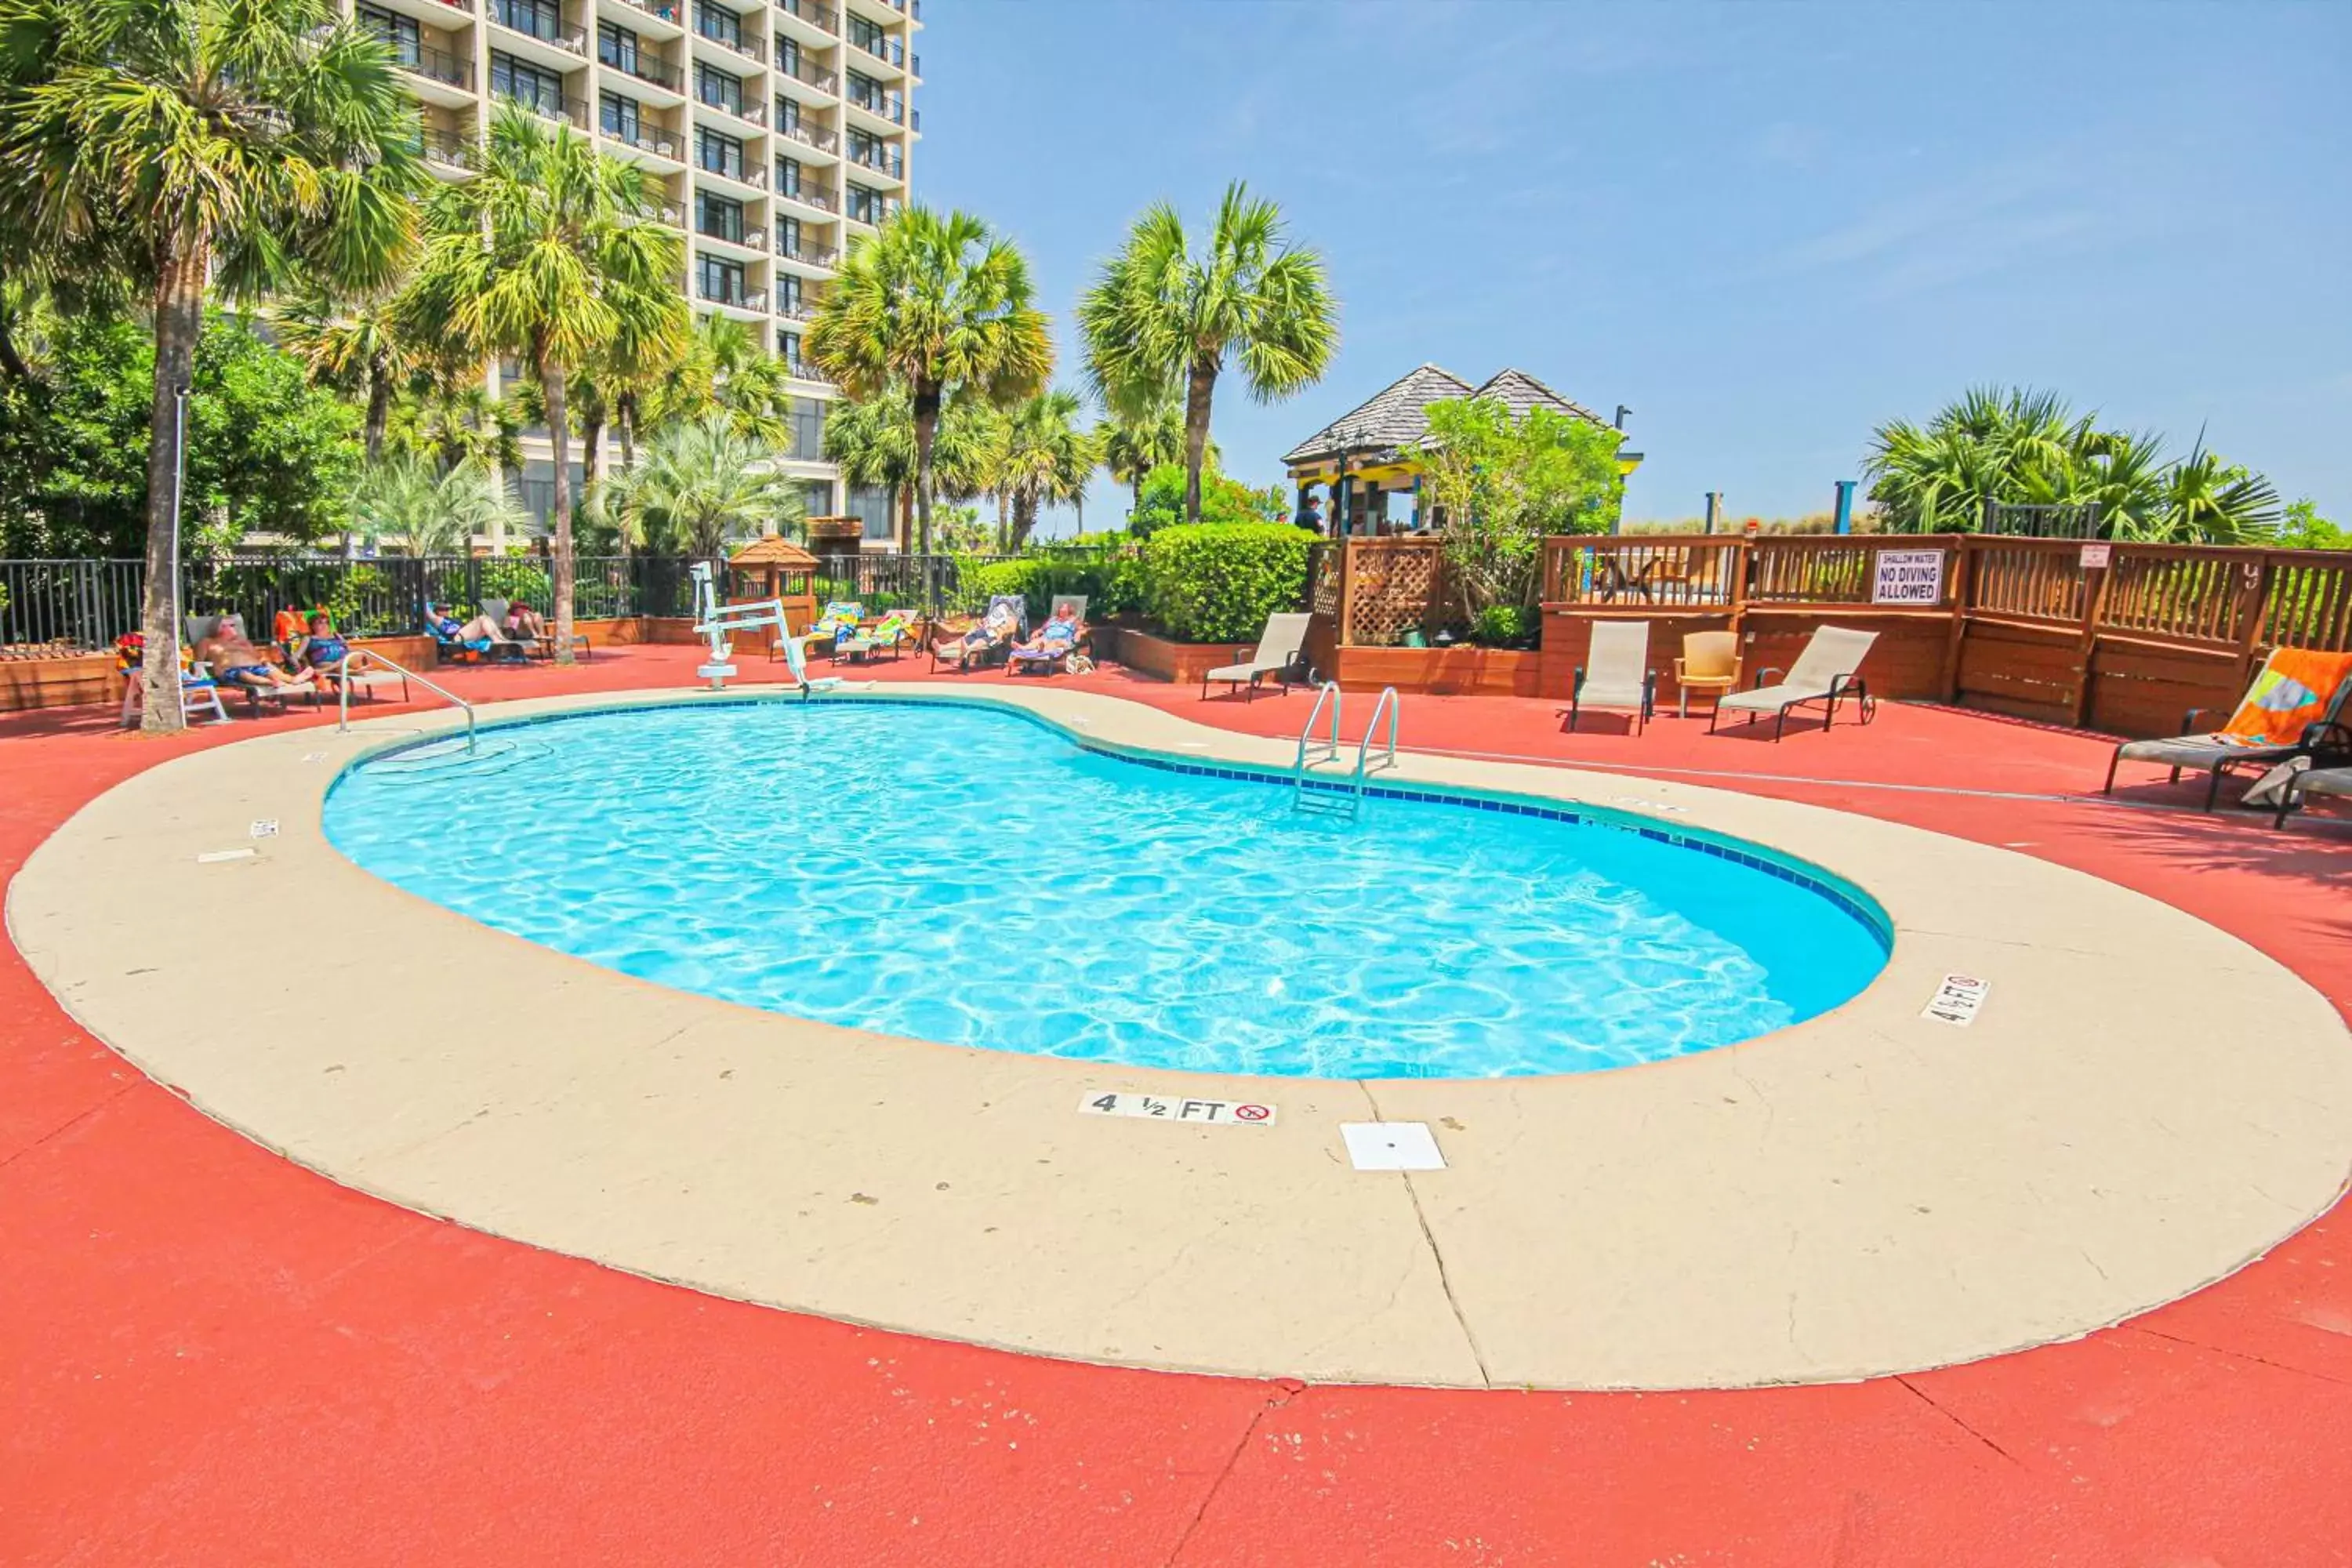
(1217, 582)
(1161, 504)
(518, 577)
(1111, 581)
(1504, 625)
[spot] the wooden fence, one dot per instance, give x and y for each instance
(2123, 637)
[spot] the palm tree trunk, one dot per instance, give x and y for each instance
(379, 414)
(551, 380)
(927, 430)
(592, 456)
(1024, 518)
(1199, 387)
(179, 318)
(1135, 507)
(627, 425)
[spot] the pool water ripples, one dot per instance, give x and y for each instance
(968, 876)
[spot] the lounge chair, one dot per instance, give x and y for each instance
(1056, 642)
(1828, 672)
(543, 645)
(1710, 663)
(893, 631)
(2307, 783)
(200, 629)
(1616, 673)
(836, 626)
(198, 694)
(475, 650)
(1007, 614)
(2293, 708)
(1281, 648)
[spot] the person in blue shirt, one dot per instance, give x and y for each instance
(324, 652)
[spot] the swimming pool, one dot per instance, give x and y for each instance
(971, 876)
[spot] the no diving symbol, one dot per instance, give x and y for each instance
(1250, 1112)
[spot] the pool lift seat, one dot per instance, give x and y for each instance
(1340, 797)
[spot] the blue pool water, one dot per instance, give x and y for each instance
(969, 875)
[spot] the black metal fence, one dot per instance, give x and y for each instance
(86, 605)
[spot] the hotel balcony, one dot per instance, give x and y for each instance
(807, 20)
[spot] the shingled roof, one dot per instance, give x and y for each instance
(1391, 419)
(1396, 415)
(773, 551)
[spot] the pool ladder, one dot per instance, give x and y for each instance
(1340, 799)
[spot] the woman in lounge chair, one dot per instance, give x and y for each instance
(524, 625)
(1052, 645)
(324, 652)
(481, 629)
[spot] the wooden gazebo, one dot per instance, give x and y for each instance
(773, 567)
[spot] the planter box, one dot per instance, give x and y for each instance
(67, 682)
(1182, 662)
(1440, 672)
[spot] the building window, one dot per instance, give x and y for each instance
(865, 92)
(526, 84)
(717, 22)
(870, 504)
(717, 88)
(788, 237)
(788, 55)
(808, 439)
(719, 280)
(788, 176)
(719, 217)
(616, 46)
(788, 349)
(867, 36)
(788, 113)
(618, 116)
(540, 18)
(788, 291)
(400, 32)
(864, 205)
(720, 153)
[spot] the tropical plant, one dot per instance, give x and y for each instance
(460, 424)
(872, 440)
(1160, 502)
(939, 305)
(2301, 528)
(362, 347)
(1160, 316)
(201, 144)
(551, 253)
(1501, 483)
(420, 509)
(2019, 446)
(1135, 443)
(701, 485)
(1044, 458)
(1217, 582)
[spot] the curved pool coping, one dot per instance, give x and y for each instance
(2145, 1104)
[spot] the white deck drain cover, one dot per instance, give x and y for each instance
(1392, 1146)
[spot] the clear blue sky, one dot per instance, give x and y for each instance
(1764, 227)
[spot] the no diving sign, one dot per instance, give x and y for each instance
(1173, 1108)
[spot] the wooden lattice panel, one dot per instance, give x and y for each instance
(1323, 592)
(1393, 587)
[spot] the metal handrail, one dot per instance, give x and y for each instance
(1390, 704)
(1331, 693)
(344, 690)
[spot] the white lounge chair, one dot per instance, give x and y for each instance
(1616, 673)
(1278, 652)
(1828, 672)
(2308, 782)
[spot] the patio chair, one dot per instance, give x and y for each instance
(837, 624)
(2293, 708)
(1616, 673)
(543, 645)
(2307, 783)
(893, 631)
(1056, 641)
(1281, 648)
(198, 694)
(1710, 663)
(200, 629)
(476, 651)
(1828, 671)
(1007, 616)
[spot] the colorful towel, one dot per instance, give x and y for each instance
(2296, 689)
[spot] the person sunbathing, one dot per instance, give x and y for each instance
(1057, 635)
(448, 628)
(324, 652)
(235, 661)
(524, 625)
(999, 626)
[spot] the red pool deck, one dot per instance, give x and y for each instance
(209, 1355)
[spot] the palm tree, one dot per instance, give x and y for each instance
(1159, 317)
(1043, 460)
(873, 441)
(409, 501)
(1134, 443)
(361, 346)
(940, 306)
(703, 483)
(237, 144)
(551, 253)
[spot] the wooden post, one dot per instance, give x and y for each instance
(1739, 564)
(2253, 590)
(1963, 547)
(1346, 548)
(2087, 645)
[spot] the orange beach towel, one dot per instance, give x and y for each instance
(2296, 688)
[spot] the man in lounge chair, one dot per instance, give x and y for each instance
(234, 661)
(997, 629)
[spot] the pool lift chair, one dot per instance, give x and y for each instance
(718, 622)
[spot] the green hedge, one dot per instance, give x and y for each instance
(1110, 580)
(1217, 582)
